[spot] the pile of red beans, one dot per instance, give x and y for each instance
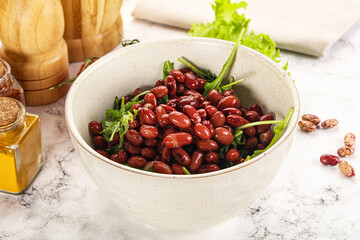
(188, 131)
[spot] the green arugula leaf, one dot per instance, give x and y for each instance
(278, 130)
(204, 73)
(168, 66)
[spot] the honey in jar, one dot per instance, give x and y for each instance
(21, 155)
(9, 87)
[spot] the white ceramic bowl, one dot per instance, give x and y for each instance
(186, 202)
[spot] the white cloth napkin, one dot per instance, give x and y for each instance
(305, 26)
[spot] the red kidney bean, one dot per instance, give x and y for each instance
(328, 159)
(150, 98)
(181, 156)
(150, 142)
(202, 113)
(131, 149)
(205, 104)
(177, 169)
(263, 128)
(115, 141)
(223, 136)
(231, 110)
(159, 83)
(241, 160)
(122, 156)
(134, 124)
(228, 128)
(99, 142)
(211, 157)
(250, 131)
(188, 100)
(259, 146)
(148, 152)
(266, 137)
(229, 92)
(196, 160)
(161, 167)
(148, 117)
(173, 103)
(214, 96)
(103, 153)
(160, 91)
(165, 155)
(218, 119)
(250, 143)
(170, 83)
(235, 120)
(180, 89)
(205, 168)
(179, 76)
(169, 131)
(160, 111)
(160, 147)
(209, 126)
(95, 128)
(190, 81)
(136, 106)
(184, 70)
(256, 108)
(229, 101)
(149, 106)
(126, 99)
(137, 92)
(202, 131)
(191, 92)
(168, 108)
(137, 161)
(210, 110)
(251, 116)
(232, 155)
(207, 145)
(243, 110)
(179, 119)
(148, 131)
(134, 137)
(177, 140)
(202, 83)
(192, 113)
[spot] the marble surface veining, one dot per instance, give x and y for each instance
(305, 201)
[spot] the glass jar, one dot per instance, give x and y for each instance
(21, 155)
(9, 87)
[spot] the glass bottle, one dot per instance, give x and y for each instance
(21, 155)
(9, 87)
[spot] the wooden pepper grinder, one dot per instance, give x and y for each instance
(92, 27)
(31, 33)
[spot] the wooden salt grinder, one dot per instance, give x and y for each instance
(92, 27)
(31, 33)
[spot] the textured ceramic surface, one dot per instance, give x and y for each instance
(171, 201)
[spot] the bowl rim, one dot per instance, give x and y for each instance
(82, 78)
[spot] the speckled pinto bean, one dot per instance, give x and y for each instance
(345, 151)
(349, 139)
(329, 123)
(311, 118)
(307, 126)
(346, 169)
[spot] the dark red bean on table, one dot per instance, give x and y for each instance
(122, 156)
(231, 110)
(190, 81)
(170, 83)
(218, 119)
(99, 142)
(250, 143)
(150, 98)
(205, 168)
(214, 96)
(134, 137)
(177, 140)
(256, 108)
(159, 91)
(166, 155)
(179, 76)
(137, 91)
(202, 113)
(251, 116)
(131, 149)
(179, 119)
(328, 159)
(161, 167)
(103, 152)
(202, 131)
(223, 136)
(229, 101)
(134, 124)
(266, 137)
(137, 161)
(95, 128)
(211, 157)
(235, 120)
(177, 169)
(207, 145)
(192, 113)
(181, 156)
(149, 131)
(196, 160)
(232, 155)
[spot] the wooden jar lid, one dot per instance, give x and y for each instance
(9, 111)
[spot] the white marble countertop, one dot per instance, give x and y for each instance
(305, 201)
